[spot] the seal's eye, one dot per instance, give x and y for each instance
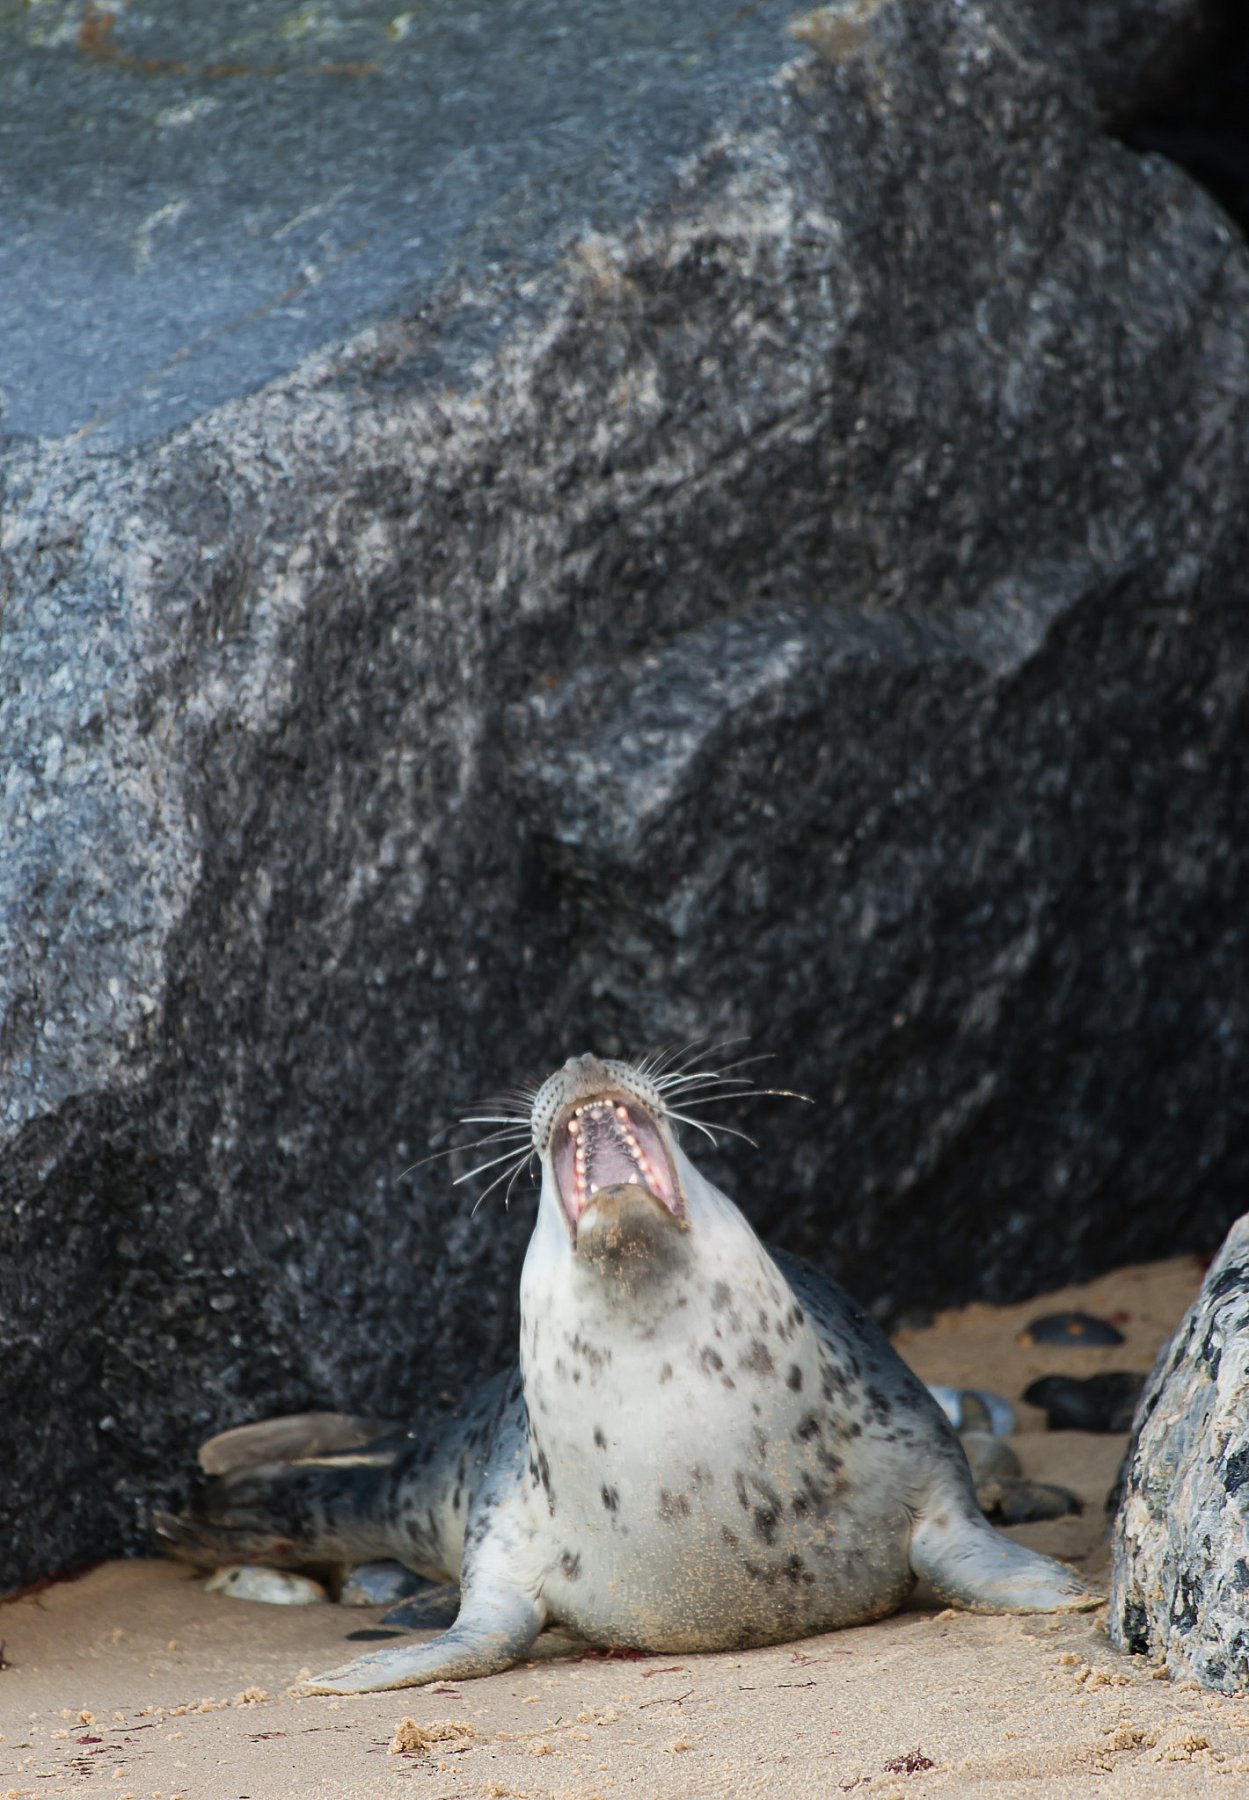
(610, 1141)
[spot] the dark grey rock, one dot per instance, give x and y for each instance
(1071, 1331)
(1122, 51)
(1103, 1402)
(1180, 1579)
(810, 604)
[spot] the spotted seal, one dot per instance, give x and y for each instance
(704, 1446)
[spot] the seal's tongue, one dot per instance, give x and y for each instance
(607, 1143)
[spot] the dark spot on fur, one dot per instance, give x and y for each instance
(599, 1439)
(758, 1358)
(591, 1352)
(796, 1570)
(807, 1428)
(665, 1374)
(710, 1359)
(793, 1380)
(739, 1488)
(611, 1498)
(673, 1506)
(730, 1537)
(721, 1296)
(571, 1564)
(702, 1477)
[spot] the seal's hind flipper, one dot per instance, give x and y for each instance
(291, 1438)
(208, 1544)
(291, 1515)
(967, 1563)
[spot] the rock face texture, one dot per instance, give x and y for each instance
(1180, 1585)
(795, 588)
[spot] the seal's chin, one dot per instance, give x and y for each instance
(631, 1236)
(610, 1141)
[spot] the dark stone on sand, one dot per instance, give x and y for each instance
(1025, 1502)
(1080, 1331)
(1104, 1402)
(771, 558)
(1180, 1578)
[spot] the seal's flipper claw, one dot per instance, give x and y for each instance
(492, 1632)
(967, 1563)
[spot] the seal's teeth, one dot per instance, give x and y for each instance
(622, 1112)
(573, 1128)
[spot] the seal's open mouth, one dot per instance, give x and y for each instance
(611, 1141)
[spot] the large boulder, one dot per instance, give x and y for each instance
(1180, 1582)
(790, 582)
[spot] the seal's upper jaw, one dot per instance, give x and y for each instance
(610, 1140)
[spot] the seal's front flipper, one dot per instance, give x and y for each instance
(501, 1608)
(967, 1563)
(496, 1626)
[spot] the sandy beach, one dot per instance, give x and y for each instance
(132, 1682)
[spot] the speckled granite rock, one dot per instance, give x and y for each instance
(1180, 1584)
(809, 603)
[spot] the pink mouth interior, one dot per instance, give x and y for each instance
(609, 1142)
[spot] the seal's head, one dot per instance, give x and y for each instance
(607, 1153)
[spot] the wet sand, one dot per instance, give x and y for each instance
(135, 1684)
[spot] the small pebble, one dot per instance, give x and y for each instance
(273, 1587)
(974, 1409)
(1080, 1330)
(378, 1584)
(1104, 1402)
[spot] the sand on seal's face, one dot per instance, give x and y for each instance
(136, 1681)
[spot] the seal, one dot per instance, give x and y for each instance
(703, 1446)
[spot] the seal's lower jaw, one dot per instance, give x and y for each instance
(628, 1232)
(611, 1142)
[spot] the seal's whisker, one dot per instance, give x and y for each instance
(664, 1054)
(703, 1048)
(710, 1130)
(508, 1156)
(507, 1192)
(493, 1137)
(497, 1118)
(723, 1073)
(696, 1123)
(749, 1094)
(498, 1178)
(672, 1059)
